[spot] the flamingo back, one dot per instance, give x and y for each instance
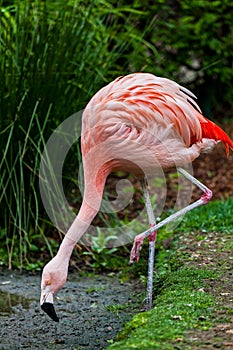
(141, 103)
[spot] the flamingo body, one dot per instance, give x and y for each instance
(141, 102)
(144, 110)
(137, 123)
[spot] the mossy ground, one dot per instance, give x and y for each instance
(193, 287)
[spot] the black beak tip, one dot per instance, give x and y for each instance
(50, 311)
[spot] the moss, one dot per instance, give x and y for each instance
(181, 304)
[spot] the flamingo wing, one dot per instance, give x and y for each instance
(143, 101)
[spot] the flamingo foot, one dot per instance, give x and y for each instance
(137, 246)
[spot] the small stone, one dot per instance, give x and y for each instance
(202, 318)
(179, 339)
(177, 317)
(229, 331)
(58, 341)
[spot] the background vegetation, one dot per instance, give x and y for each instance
(55, 55)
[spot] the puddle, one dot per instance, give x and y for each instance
(8, 301)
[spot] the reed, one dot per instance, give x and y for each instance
(53, 57)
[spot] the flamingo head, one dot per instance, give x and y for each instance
(53, 279)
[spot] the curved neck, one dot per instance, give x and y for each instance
(89, 208)
(82, 221)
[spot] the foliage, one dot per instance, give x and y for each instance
(102, 256)
(219, 218)
(191, 42)
(20, 211)
(54, 56)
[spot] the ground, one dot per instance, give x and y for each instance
(219, 171)
(214, 253)
(216, 171)
(92, 310)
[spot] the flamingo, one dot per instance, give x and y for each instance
(137, 123)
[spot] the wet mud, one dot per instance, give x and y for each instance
(91, 310)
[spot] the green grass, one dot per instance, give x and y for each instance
(215, 216)
(19, 193)
(180, 303)
(53, 57)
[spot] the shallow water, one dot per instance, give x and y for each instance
(8, 301)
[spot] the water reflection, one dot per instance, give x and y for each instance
(8, 301)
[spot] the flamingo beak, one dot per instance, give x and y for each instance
(46, 303)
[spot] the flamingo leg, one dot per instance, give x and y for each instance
(152, 240)
(205, 198)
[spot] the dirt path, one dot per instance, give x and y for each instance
(89, 311)
(214, 252)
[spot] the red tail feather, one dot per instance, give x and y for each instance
(212, 131)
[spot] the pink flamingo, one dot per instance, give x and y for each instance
(137, 123)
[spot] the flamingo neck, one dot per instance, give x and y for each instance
(89, 208)
(82, 221)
